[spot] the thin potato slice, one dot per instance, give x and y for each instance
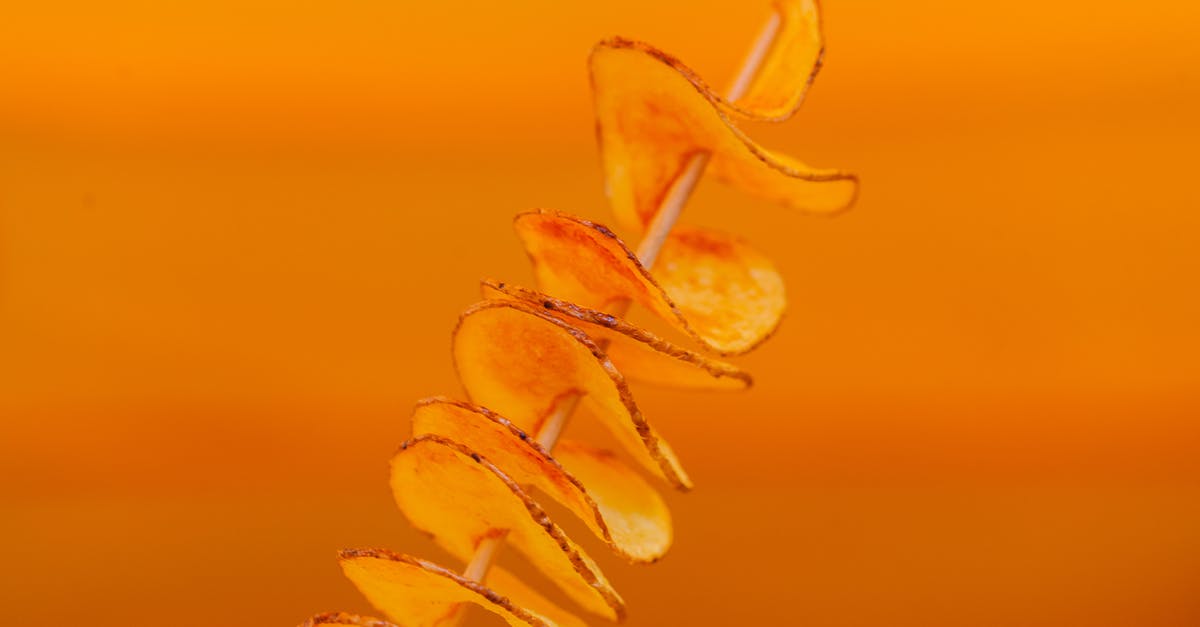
(621, 509)
(791, 65)
(616, 488)
(643, 363)
(711, 286)
(461, 498)
(653, 113)
(637, 353)
(729, 292)
(524, 363)
(418, 593)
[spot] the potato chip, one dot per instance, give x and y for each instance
(415, 592)
(731, 294)
(524, 362)
(791, 65)
(639, 354)
(711, 286)
(632, 509)
(653, 114)
(461, 498)
(619, 507)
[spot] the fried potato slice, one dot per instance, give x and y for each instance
(418, 593)
(620, 508)
(710, 285)
(644, 519)
(790, 67)
(637, 353)
(460, 498)
(723, 286)
(653, 114)
(524, 362)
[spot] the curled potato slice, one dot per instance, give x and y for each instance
(723, 286)
(524, 363)
(637, 353)
(461, 498)
(791, 65)
(653, 114)
(712, 286)
(620, 508)
(415, 592)
(643, 519)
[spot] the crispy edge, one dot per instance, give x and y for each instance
(720, 105)
(644, 273)
(598, 318)
(487, 593)
(536, 513)
(488, 414)
(649, 439)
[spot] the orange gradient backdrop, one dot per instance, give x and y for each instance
(234, 238)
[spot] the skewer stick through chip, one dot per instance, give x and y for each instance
(647, 252)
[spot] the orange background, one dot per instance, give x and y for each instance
(234, 239)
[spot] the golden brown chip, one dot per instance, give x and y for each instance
(686, 369)
(413, 591)
(637, 353)
(461, 498)
(791, 65)
(654, 113)
(633, 510)
(620, 507)
(732, 295)
(711, 286)
(523, 362)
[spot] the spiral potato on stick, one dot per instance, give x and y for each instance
(529, 356)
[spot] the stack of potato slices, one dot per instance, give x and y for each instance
(528, 356)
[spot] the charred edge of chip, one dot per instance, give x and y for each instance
(701, 86)
(720, 106)
(470, 584)
(491, 414)
(684, 323)
(639, 269)
(573, 553)
(597, 514)
(603, 229)
(671, 467)
(717, 369)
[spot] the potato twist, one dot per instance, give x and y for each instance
(527, 358)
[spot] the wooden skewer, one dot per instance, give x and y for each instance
(647, 252)
(672, 205)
